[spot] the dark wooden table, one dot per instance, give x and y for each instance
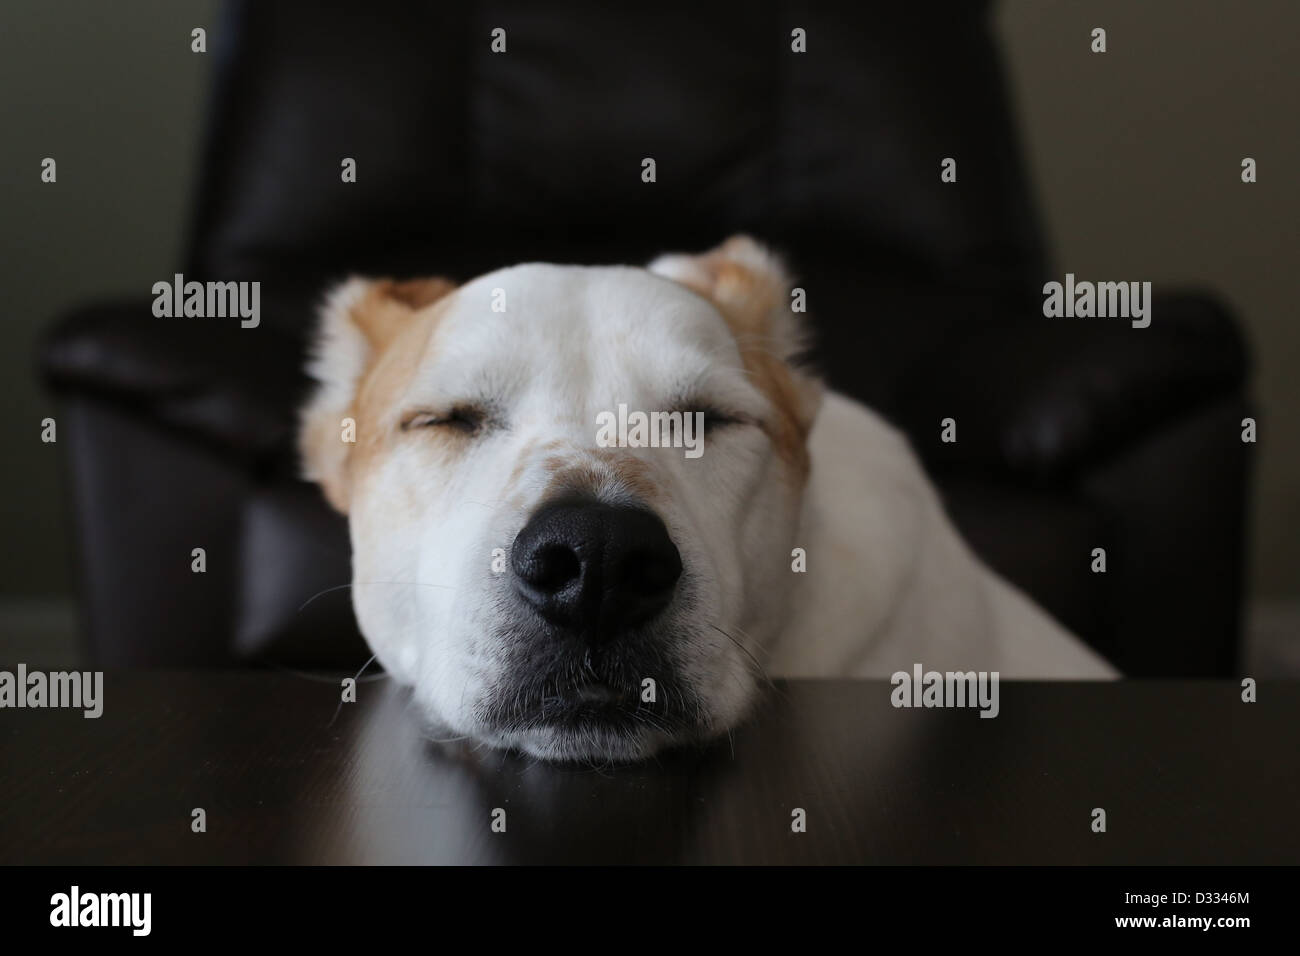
(1186, 773)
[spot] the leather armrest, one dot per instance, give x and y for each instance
(1044, 396)
(235, 388)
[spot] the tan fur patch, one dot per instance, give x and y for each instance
(749, 300)
(789, 431)
(632, 474)
(398, 320)
(389, 304)
(320, 441)
(578, 478)
(610, 469)
(521, 463)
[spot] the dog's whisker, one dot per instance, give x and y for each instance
(766, 651)
(758, 666)
(338, 587)
(339, 709)
(746, 635)
(362, 584)
(448, 740)
(323, 679)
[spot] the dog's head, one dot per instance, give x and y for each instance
(540, 577)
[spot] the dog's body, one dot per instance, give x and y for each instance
(895, 584)
(541, 590)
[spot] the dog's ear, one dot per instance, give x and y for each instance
(750, 286)
(358, 319)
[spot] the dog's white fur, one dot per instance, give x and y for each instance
(904, 587)
(889, 582)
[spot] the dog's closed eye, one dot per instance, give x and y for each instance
(466, 419)
(716, 417)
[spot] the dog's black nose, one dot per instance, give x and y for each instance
(595, 569)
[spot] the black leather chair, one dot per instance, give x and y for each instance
(926, 297)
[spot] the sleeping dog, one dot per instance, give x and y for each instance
(577, 598)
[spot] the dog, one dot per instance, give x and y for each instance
(581, 600)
